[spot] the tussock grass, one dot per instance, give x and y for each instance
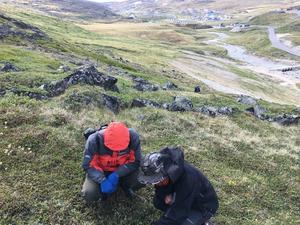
(247, 160)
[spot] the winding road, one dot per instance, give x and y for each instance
(266, 81)
(279, 45)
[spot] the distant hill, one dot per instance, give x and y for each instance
(168, 8)
(74, 9)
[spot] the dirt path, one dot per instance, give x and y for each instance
(279, 45)
(260, 65)
(266, 80)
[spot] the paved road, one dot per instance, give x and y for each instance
(277, 44)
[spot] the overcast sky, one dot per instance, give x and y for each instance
(106, 0)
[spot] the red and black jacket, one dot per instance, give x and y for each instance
(99, 159)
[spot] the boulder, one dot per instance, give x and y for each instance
(55, 88)
(2, 92)
(247, 100)
(169, 86)
(286, 120)
(165, 106)
(144, 102)
(35, 95)
(258, 111)
(213, 111)
(143, 85)
(9, 67)
(197, 89)
(181, 103)
(76, 101)
(111, 102)
(84, 75)
(63, 69)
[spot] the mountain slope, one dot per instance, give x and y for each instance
(164, 8)
(79, 9)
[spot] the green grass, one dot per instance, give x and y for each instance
(293, 29)
(253, 164)
(257, 41)
(274, 19)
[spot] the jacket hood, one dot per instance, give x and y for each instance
(116, 136)
(174, 167)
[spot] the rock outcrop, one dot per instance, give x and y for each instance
(9, 67)
(282, 119)
(213, 111)
(247, 100)
(63, 69)
(2, 92)
(111, 102)
(143, 85)
(35, 95)
(169, 86)
(76, 101)
(181, 104)
(17, 28)
(84, 75)
(258, 111)
(145, 102)
(286, 119)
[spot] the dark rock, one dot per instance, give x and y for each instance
(213, 111)
(55, 88)
(197, 89)
(169, 86)
(111, 102)
(228, 111)
(84, 75)
(208, 110)
(9, 67)
(2, 92)
(258, 111)
(143, 85)
(246, 100)
(144, 102)
(286, 120)
(297, 110)
(35, 95)
(64, 68)
(13, 27)
(139, 83)
(165, 106)
(77, 101)
(181, 104)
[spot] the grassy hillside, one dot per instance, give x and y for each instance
(78, 9)
(253, 164)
